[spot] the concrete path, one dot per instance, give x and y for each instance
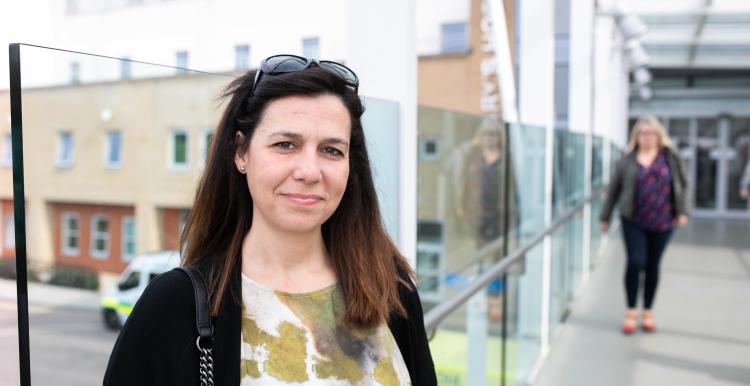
(702, 312)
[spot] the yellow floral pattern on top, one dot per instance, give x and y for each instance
(301, 339)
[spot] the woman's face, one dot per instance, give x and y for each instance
(297, 164)
(648, 136)
(491, 138)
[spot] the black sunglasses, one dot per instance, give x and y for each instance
(282, 64)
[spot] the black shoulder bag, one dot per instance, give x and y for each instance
(205, 326)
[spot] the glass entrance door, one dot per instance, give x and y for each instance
(738, 162)
(717, 151)
(707, 155)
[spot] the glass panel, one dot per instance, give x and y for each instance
(595, 243)
(72, 318)
(566, 268)
(679, 131)
(739, 162)
(524, 317)
(524, 282)
(597, 166)
(467, 347)
(559, 279)
(707, 153)
(71, 334)
(462, 204)
(9, 366)
(568, 171)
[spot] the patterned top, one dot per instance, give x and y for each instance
(653, 196)
(301, 339)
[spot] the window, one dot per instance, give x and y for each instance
(7, 150)
(130, 282)
(64, 158)
(125, 68)
(429, 149)
(179, 146)
(9, 232)
(114, 149)
(311, 48)
(241, 56)
(75, 73)
(454, 38)
(99, 236)
(128, 238)
(70, 233)
(182, 61)
(208, 136)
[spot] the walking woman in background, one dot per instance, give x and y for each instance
(304, 285)
(650, 185)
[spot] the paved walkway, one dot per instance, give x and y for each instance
(43, 296)
(702, 311)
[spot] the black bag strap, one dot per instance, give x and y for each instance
(202, 315)
(205, 326)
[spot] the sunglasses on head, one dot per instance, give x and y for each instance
(282, 64)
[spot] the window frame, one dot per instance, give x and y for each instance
(178, 57)
(108, 163)
(305, 42)
(74, 69)
(124, 238)
(173, 165)
(64, 163)
(65, 233)
(94, 233)
(454, 38)
(237, 57)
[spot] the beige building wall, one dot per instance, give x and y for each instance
(145, 111)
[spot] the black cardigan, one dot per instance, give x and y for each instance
(157, 344)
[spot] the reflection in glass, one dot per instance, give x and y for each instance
(110, 169)
(99, 193)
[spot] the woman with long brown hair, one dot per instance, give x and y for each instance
(650, 185)
(303, 282)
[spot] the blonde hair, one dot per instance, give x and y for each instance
(664, 140)
(489, 124)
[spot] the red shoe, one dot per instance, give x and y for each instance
(629, 325)
(647, 324)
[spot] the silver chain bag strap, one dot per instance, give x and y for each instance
(205, 326)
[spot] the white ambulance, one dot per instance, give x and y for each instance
(117, 303)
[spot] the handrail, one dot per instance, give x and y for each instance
(436, 315)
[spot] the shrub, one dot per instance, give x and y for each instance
(72, 276)
(8, 270)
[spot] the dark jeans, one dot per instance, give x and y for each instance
(644, 250)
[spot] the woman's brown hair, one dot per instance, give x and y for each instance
(365, 259)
